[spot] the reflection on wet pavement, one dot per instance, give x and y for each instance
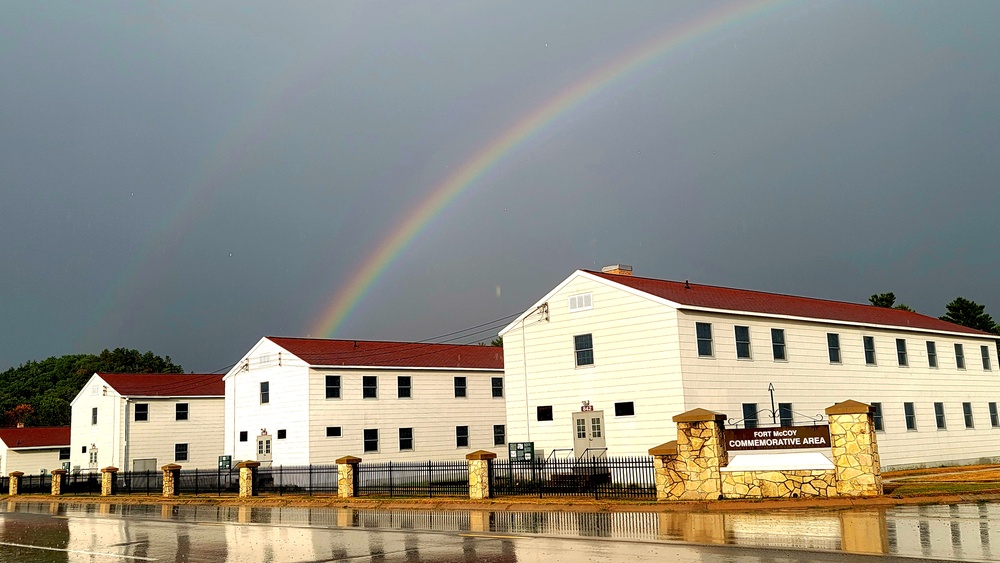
(955, 532)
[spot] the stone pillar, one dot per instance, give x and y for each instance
(347, 467)
(479, 473)
(57, 479)
(108, 481)
(855, 450)
(14, 488)
(248, 474)
(171, 476)
(669, 483)
(701, 453)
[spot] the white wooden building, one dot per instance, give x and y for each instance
(141, 422)
(33, 451)
(605, 360)
(296, 401)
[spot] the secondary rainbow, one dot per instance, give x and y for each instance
(349, 296)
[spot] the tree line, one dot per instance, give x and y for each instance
(961, 311)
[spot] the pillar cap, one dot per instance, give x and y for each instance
(480, 455)
(849, 407)
(670, 448)
(59, 472)
(16, 473)
(699, 415)
(348, 460)
(110, 469)
(250, 464)
(170, 467)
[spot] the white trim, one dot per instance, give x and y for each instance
(19, 448)
(391, 368)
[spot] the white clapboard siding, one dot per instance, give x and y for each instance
(156, 437)
(106, 435)
(29, 461)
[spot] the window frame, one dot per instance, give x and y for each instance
(499, 434)
(743, 348)
(700, 339)
(244, 436)
(182, 452)
(833, 348)
(370, 440)
(93, 416)
(178, 411)
(878, 419)
(546, 410)
(783, 410)
(462, 437)
(265, 392)
(405, 442)
(625, 408)
(496, 387)
(461, 387)
(959, 356)
(282, 434)
(144, 412)
(970, 421)
(985, 352)
(334, 431)
(932, 359)
(865, 341)
(750, 414)
(940, 421)
(775, 346)
(583, 355)
(64, 454)
(910, 416)
(902, 358)
(332, 385)
(404, 387)
(994, 415)
(369, 387)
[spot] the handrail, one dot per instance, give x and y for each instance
(553, 452)
(603, 451)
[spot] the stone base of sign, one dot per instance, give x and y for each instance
(780, 484)
(855, 451)
(479, 473)
(57, 479)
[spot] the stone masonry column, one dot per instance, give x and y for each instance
(855, 450)
(701, 453)
(248, 472)
(57, 479)
(108, 481)
(479, 473)
(171, 476)
(347, 468)
(14, 487)
(669, 483)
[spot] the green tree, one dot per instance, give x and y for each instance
(968, 313)
(886, 300)
(498, 341)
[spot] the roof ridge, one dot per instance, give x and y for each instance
(404, 342)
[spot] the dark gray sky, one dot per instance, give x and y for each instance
(188, 177)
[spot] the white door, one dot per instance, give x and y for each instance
(588, 434)
(264, 449)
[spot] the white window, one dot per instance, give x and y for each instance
(704, 334)
(580, 302)
(743, 342)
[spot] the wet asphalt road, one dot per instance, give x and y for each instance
(38, 531)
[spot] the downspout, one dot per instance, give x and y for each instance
(125, 455)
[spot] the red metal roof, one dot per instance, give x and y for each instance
(166, 384)
(369, 353)
(41, 436)
(713, 297)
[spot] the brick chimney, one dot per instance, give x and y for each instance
(618, 269)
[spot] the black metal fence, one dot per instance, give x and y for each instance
(420, 479)
(605, 477)
(295, 479)
(81, 484)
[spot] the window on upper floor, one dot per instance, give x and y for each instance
(931, 354)
(265, 392)
(743, 342)
(244, 436)
(583, 345)
(544, 413)
(581, 302)
(405, 439)
(704, 333)
(282, 434)
(462, 436)
(460, 387)
(63, 453)
(785, 414)
(778, 343)
(332, 385)
(141, 412)
(967, 413)
(181, 411)
(959, 356)
(910, 415)
(369, 387)
(994, 415)
(939, 416)
(334, 432)
(499, 434)
(869, 342)
(404, 387)
(901, 352)
(497, 387)
(93, 415)
(985, 351)
(625, 409)
(833, 347)
(750, 415)
(877, 420)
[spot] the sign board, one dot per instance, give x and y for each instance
(225, 462)
(521, 451)
(785, 438)
(587, 408)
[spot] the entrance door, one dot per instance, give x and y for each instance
(264, 449)
(588, 434)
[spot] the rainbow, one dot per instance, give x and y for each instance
(346, 299)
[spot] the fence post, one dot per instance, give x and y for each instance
(347, 468)
(248, 472)
(15, 483)
(479, 473)
(171, 475)
(109, 483)
(57, 478)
